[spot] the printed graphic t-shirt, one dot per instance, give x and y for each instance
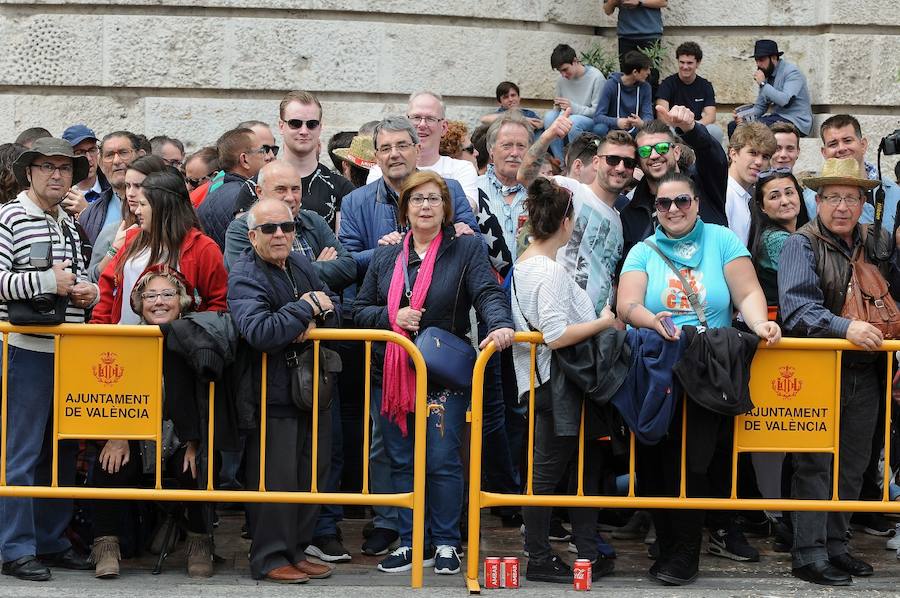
(719, 246)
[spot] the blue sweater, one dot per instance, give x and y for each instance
(618, 100)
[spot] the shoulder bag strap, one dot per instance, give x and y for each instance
(688, 289)
(512, 280)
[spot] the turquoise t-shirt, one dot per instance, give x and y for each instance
(719, 246)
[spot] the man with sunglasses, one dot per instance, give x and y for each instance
(241, 155)
(595, 248)
(427, 113)
(658, 153)
(300, 125)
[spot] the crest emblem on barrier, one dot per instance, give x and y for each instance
(108, 371)
(786, 385)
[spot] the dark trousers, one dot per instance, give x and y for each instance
(552, 455)
(818, 535)
(281, 532)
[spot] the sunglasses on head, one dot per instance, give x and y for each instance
(662, 148)
(765, 174)
(269, 228)
(682, 202)
(614, 161)
(296, 123)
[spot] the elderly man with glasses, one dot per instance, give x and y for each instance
(427, 113)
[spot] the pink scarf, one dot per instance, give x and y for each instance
(398, 387)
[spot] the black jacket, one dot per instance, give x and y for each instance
(270, 319)
(710, 173)
(462, 278)
(217, 210)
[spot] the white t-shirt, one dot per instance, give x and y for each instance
(132, 270)
(596, 245)
(548, 298)
(461, 171)
(737, 210)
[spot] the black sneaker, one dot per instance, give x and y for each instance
(601, 568)
(329, 549)
(381, 541)
(784, 537)
(755, 524)
(678, 571)
(873, 524)
(553, 570)
(732, 544)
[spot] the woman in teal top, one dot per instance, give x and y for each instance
(717, 266)
(776, 212)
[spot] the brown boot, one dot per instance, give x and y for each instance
(199, 555)
(105, 556)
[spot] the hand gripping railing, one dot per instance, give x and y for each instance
(123, 351)
(801, 373)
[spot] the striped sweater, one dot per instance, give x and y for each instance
(22, 224)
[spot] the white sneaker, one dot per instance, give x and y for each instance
(894, 542)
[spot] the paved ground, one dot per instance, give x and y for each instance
(719, 577)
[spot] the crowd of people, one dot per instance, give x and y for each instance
(616, 224)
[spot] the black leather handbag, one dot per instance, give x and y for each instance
(300, 361)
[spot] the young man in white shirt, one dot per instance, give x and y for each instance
(749, 153)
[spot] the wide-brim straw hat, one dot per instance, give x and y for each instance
(47, 147)
(361, 152)
(841, 171)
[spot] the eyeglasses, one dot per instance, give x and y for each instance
(271, 148)
(269, 228)
(174, 163)
(385, 150)
(260, 150)
(91, 151)
(417, 118)
(682, 202)
(835, 200)
(296, 123)
(630, 163)
(167, 295)
(48, 168)
(765, 174)
(433, 200)
(662, 148)
(197, 182)
(124, 155)
(469, 149)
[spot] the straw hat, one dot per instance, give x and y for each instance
(361, 152)
(841, 171)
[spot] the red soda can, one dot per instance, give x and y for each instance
(509, 567)
(581, 574)
(492, 572)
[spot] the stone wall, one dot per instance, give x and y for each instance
(192, 68)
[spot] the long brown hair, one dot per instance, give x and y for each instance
(172, 219)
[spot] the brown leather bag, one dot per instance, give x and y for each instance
(868, 298)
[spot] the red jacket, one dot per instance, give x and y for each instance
(200, 261)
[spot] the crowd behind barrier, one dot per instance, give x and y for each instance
(639, 261)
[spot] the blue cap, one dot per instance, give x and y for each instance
(78, 133)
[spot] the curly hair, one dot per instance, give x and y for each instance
(451, 142)
(9, 186)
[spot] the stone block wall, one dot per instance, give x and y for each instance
(193, 68)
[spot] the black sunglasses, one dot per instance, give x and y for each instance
(273, 148)
(269, 228)
(197, 182)
(470, 149)
(296, 123)
(613, 161)
(682, 202)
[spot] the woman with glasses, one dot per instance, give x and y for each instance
(546, 299)
(776, 212)
(456, 143)
(168, 233)
(160, 296)
(432, 278)
(716, 266)
(112, 236)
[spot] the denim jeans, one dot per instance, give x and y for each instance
(818, 536)
(31, 526)
(443, 466)
(580, 124)
(379, 465)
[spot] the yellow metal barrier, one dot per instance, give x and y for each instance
(117, 356)
(778, 375)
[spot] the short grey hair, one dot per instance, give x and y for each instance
(395, 124)
(251, 215)
(510, 117)
(435, 95)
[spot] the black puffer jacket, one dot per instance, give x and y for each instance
(462, 278)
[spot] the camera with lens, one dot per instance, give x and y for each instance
(43, 309)
(890, 144)
(41, 258)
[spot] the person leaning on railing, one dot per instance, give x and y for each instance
(546, 299)
(159, 296)
(717, 267)
(447, 275)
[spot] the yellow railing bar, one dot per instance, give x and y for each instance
(210, 457)
(682, 485)
(54, 462)
(836, 445)
(631, 464)
(262, 422)
(529, 481)
(581, 448)
(888, 395)
(314, 458)
(366, 415)
(157, 419)
(4, 402)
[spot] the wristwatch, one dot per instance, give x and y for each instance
(762, 84)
